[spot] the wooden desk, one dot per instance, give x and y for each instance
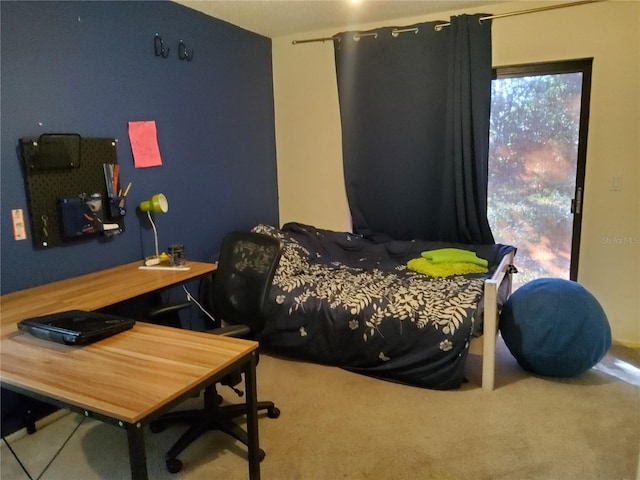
(92, 291)
(130, 378)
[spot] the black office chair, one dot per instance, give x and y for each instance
(235, 294)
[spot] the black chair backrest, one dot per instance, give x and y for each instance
(242, 281)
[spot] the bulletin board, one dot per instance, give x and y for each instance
(69, 198)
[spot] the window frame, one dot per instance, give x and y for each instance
(584, 66)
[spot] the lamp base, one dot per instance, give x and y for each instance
(162, 259)
(161, 262)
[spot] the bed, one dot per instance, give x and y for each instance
(341, 299)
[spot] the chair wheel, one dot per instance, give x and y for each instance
(157, 426)
(174, 465)
(273, 412)
(261, 454)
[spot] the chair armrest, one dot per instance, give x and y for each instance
(237, 331)
(166, 310)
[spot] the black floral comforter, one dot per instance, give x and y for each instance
(340, 299)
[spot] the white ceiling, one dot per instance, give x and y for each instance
(275, 18)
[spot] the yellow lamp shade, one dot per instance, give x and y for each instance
(157, 204)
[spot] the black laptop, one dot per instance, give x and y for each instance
(75, 327)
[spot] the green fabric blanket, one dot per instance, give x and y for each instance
(445, 269)
(454, 255)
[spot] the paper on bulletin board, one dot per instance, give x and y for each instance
(144, 144)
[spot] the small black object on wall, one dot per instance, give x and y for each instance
(184, 53)
(159, 48)
(63, 174)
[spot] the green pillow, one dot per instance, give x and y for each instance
(445, 269)
(454, 255)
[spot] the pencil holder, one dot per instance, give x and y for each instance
(176, 252)
(117, 207)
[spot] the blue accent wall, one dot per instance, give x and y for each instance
(89, 68)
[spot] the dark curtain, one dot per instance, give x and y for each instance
(415, 130)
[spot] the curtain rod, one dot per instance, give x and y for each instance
(396, 31)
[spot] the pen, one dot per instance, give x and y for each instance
(116, 175)
(126, 192)
(108, 180)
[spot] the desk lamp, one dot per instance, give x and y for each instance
(157, 204)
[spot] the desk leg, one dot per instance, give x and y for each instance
(137, 454)
(252, 418)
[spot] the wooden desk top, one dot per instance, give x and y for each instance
(127, 376)
(92, 291)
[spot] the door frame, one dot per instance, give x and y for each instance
(584, 66)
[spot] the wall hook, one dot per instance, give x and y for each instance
(183, 53)
(159, 48)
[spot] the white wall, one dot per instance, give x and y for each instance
(310, 177)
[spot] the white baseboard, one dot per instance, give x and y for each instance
(622, 343)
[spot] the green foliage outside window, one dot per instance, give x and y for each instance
(532, 169)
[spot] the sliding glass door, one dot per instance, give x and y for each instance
(537, 155)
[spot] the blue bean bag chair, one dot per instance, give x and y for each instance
(555, 327)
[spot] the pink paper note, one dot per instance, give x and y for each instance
(144, 144)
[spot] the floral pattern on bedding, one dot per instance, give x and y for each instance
(342, 300)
